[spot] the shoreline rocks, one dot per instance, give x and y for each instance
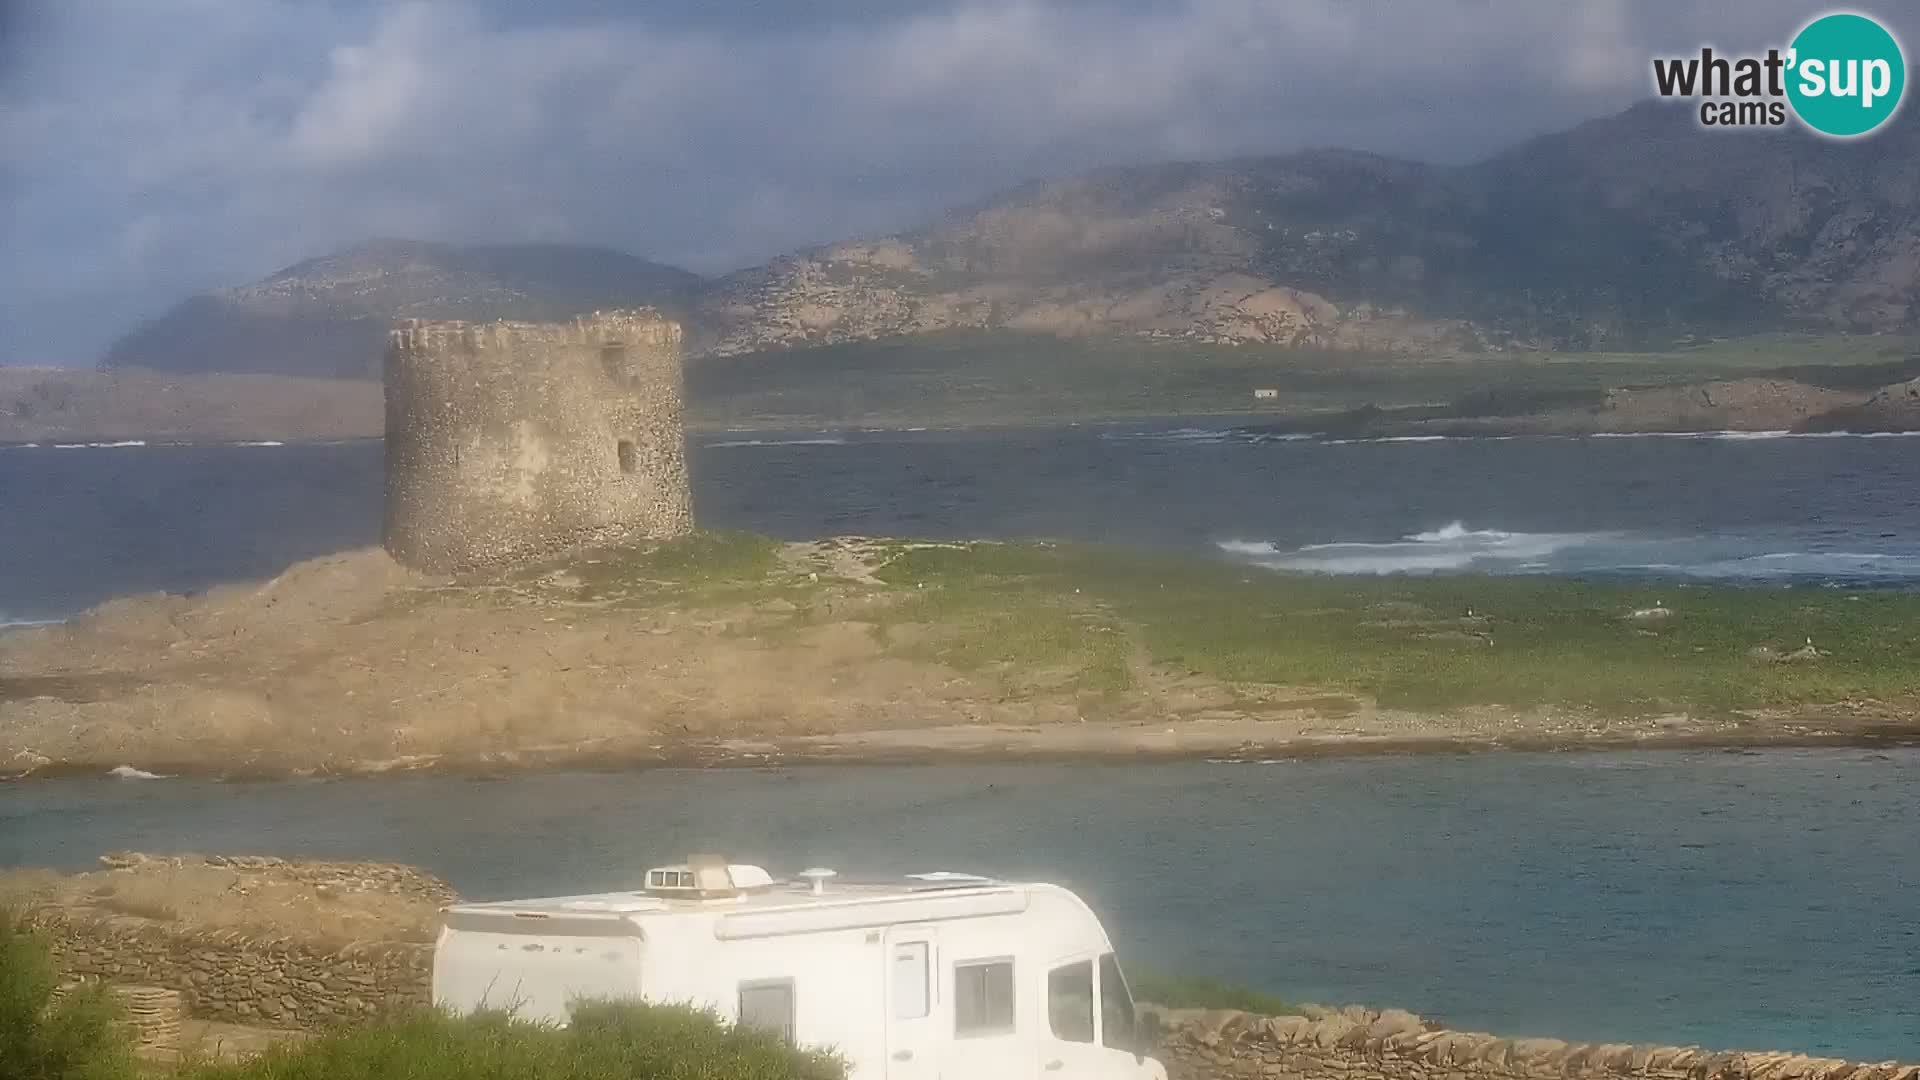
(1359, 1043)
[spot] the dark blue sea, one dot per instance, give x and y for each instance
(1751, 900)
(81, 524)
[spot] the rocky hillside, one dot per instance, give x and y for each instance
(328, 316)
(1892, 408)
(1627, 232)
(1621, 233)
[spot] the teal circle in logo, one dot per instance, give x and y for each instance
(1847, 75)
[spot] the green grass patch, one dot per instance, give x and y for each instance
(1428, 643)
(1195, 992)
(1006, 377)
(976, 618)
(706, 566)
(603, 1042)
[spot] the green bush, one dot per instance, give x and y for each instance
(74, 1039)
(605, 1042)
(1195, 992)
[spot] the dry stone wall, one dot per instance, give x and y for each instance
(393, 879)
(237, 977)
(269, 965)
(1356, 1043)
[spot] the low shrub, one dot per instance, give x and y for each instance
(1196, 992)
(604, 1042)
(74, 1038)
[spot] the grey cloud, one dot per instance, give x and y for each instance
(165, 151)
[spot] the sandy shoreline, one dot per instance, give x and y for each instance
(1088, 743)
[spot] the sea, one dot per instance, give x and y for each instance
(83, 523)
(1730, 900)
(1752, 899)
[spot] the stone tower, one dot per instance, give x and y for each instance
(509, 442)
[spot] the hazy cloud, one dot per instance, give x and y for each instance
(155, 149)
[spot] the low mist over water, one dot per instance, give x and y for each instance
(88, 523)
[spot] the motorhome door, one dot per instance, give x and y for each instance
(913, 1024)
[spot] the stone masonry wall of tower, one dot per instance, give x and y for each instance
(508, 443)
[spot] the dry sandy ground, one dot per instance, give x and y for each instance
(325, 902)
(354, 664)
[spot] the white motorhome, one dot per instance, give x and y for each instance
(933, 976)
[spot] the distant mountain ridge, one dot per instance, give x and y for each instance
(328, 316)
(1625, 232)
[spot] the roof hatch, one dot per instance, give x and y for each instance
(706, 877)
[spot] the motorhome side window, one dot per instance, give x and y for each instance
(1117, 1017)
(768, 1005)
(983, 997)
(1070, 1002)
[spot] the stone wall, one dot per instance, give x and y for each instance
(1356, 1043)
(510, 442)
(238, 977)
(247, 939)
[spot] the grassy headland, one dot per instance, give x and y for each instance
(729, 647)
(1413, 643)
(1002, 377)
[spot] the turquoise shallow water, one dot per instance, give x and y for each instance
(1751, 900)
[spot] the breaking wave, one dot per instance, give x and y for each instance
(1452, 547)
(1457, 548)
(128, 772)
(98, 445)
(779, 442)
(1207, 436)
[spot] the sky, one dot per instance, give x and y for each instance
(151, 149)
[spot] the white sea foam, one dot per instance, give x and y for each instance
(1453, 546)
(1863, 566)
(1747, 436)
(1213, 435)
(1399, 439)
(128, 772)
(261, 442)
(1207, 435)
(779, 442)
(98, 445)
(1172, 435)
(1456, 547)
(7, 620)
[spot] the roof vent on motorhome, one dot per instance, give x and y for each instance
(817, 877)
(707, 876)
